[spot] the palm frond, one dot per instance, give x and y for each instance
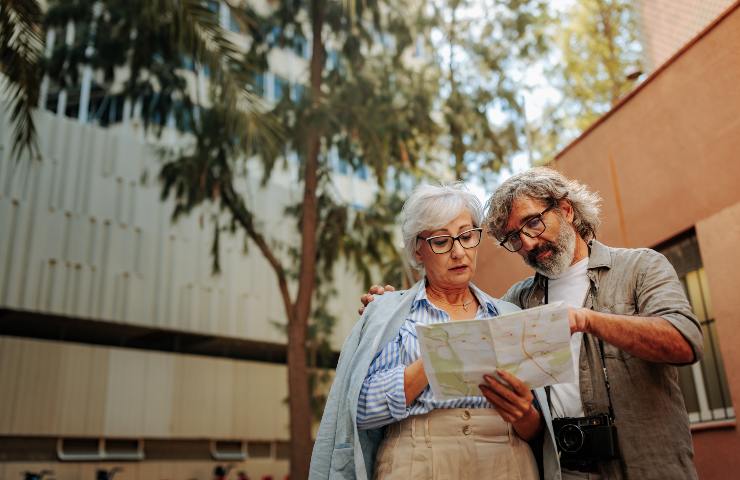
(197, 30)
(20, 50)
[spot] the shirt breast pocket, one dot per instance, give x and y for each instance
(626, 307)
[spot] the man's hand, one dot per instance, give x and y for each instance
(513, 402)
(374, 290)
(579, 319)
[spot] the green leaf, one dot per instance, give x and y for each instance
(20, 50)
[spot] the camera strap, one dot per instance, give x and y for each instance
(601, 354)
(606, 379)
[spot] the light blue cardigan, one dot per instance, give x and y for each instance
(341, 451)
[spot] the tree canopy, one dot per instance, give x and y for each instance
(595, 62)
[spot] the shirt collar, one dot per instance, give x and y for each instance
(484, 299)
(599, 255)
(421, 299)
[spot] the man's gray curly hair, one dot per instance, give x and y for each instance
(431, 207)
(547, 185)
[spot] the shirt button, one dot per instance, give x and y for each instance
(465, 415)
(467, 430)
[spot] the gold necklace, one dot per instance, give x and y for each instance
(464, 305)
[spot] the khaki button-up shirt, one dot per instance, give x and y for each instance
(652, 424)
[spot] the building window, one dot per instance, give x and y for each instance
(212, 5)
(343, 167)
(234, 25)
(273, 35)
(259, 84)
(296, 92)
(99, 449)
(259, 450)
(279, 87)
(187, 63)
(361, 172)
(704, 384)
(300, 46)
(228, 449)
(332, 60)
(419, 47)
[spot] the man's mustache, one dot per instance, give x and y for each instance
(535, 252)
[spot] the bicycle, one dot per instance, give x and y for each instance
(107, 474)
(37, 476)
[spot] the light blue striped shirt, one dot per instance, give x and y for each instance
(382, 400)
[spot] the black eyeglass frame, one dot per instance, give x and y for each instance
(520, 230)
(454, 239)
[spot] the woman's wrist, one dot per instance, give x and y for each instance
(414, 381)
(528, 426)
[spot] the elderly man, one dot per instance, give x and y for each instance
(630, 323)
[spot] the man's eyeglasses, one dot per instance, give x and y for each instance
(533, 228)
(443, 243)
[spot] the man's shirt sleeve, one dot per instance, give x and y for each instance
(659, 293)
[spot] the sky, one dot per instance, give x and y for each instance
(536, 97)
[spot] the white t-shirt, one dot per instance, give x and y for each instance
(572, 288)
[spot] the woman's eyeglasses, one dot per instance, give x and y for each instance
(443, 243)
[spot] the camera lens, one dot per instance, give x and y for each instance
(570, 438)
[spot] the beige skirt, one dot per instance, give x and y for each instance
(454, 443)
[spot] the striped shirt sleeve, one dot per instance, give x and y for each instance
(382, 399)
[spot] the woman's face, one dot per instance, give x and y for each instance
(455, 268)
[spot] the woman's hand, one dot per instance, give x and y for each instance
(374, 290)
(513, 402)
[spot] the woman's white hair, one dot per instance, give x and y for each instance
(546, 185)
(431, 207)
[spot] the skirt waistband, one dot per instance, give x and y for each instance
(454, 422)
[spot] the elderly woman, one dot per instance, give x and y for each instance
(381, 419)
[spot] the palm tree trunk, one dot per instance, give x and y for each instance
(300, 413)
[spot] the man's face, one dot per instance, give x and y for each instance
(551, 253)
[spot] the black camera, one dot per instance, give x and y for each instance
(583, 442)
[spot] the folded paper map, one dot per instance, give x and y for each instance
(532, 344)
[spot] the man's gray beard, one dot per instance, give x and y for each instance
(562, 249)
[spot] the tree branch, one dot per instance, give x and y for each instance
(245, 218)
